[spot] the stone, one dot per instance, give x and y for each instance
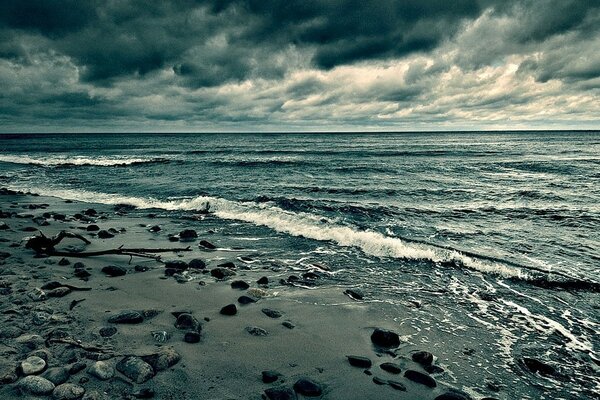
(58, 292)
(537, 366)
(452, 396)
(165, 358)
(354, 294)
(228, 265)
(397, 385)
(433, 369)
(141, 268)
(144, 393)
(307, 387)
(8, 375)
(263, 281)
(207, 245)
(136, 369)
(246, 300)
(390, 367)
(187, 234)
(359, 361)
(101, 370)
(239, 285)
(81, 273)
(385, 338)
(229, 309)
(177, 265)
(379, 381)
(77, 368)
(57, 375)
(63, 261)
(68, 391)
(103, 234)
(36, 385)
(191, 337)
(4, 226)
(256, 331)
(221, 273)
(270, 376)
(280, 394)
(155, 229)
(107, 331)
(127, 317)
(271, 313)
(186, 321)
(114, 271)
(197, 263)
(90, 212)
(33, 365)
(420, 377)
(93, 228)
(288, 324)
(424, 358)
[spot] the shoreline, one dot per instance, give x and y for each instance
(325, 325)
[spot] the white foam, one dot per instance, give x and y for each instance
(52, 161)
(297, 224)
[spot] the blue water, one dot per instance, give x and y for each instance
(510, 213)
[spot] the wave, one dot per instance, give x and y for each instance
(55, 161)
(315, 227)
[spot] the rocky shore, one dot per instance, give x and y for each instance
(209, 322)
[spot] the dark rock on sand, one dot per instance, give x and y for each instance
(221, 273)
(127, 317)
(90, 212)
(256, 331)
(378, 381)
(188, 235)
(81, 273)
(228, 265)
(92, 228)
(424, 358)
(176, 264)
(63, 261)
(239, 285)
(207, 245)
(114, 271)
(263, 281)
(397, 385)
(229, 309)
(57, 375)
(420, 377)
(280, 394)
(307, 387)
(433, 369)
(191, 337)
(105, 234)
(165, 358)
(288, 324)
(537, 366)
(359, 361)
(135, 369)
(107, 331)
(385, 338)
(58, 292)
(271, 313)
(155, 229)
(141, 268)
(270, 376)
(246, 300)
(197, 263)
(390, 367)
(187, 321)
(452, 396)
(354, 294)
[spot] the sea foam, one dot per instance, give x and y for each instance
(52, 161)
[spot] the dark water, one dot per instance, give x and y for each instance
(498, 232)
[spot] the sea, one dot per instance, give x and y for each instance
(492, 239)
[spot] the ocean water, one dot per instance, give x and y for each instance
(494, 236)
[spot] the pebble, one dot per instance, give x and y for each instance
(33, 365)
(263, 281)
(385, 338)
(207, 245)
(107, 331)
(197, 263)
(424, 358)
(359, 361)
(239, 285)
(271, 313)
(58, 292)
(229, 309)
(127, 317)
(379, 381)
(307, 387)
(101, 370)
(420, 377)
(270, 376)
(155, 229)
(246, 300)
(36, 385)
(165, 358)
(288, 324)
(191, 337)
(187, 321)
(256, 331)
(280, 394)
(57, 375)
(135, 369)
(221, 273)
(354, 294)
(63, 261)
(77, 367)
(390, 367)
(113, 271)
(397, 386)
(188, 234)
(177, 265)
(105, 234)
(68, 391)
(452, 396)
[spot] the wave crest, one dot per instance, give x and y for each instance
(55, 161)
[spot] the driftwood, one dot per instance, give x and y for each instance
(46, 245)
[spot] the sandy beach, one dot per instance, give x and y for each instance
(143, 329)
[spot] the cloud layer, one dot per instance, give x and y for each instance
(313, 65)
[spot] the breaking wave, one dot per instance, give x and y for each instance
(54, 161)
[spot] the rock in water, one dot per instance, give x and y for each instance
(358, 361)
(420, 377)
(537, 366)
(68, 391)
(33, 365)
(424, 358)
(113, 271)
(385, 338)
(229, 309)
(207, 245)
(188, 234)
(135, 369)
(127, 317)
(354, 294)
(263, 281)
(101, 370)
(36, 385)
(280, 394)
(307, 387)
(165, 358)
(197, 263)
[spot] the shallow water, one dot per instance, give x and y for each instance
(495, 235)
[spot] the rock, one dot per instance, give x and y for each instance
(165, 358)
(4, 226)
(160, 336)
(92, 228)
(379, 381)
(229, 309)
(135, 369)
(81, 273)
(246, 300)
(141, 268)
(37, 294)
(271, 313)
(107, 331)
(433, 369)
(537, 366)
(263, 281)
(390, 367)
(228, 265)
(420, 377)
(144, 393)
(113, 271)
(424, 358)
(270, 376)
(191, 337)
(101, 370)
(103, 234)
(385, 338)
(207, 245)
(397, 385)
(77, 368)
(288, 324)
(58, 292)
(197, 263)
(307, 387)
(155, 229)
(177, 265)
(256, 331)
(90, 212)
(8, 375)
(63, 261)
(186, 321)
(68, 391)
(221, 273)
(359, 361)
(354, 294)
(452, 396)
(187, 235)
(127, 317)
(33, 365)
(239, 285)
(280, 394)
(57, 375)
(78, 264)
(36, 385)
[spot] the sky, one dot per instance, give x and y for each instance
(310, 65)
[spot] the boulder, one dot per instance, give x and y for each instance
(359, 361)
(385, 338)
